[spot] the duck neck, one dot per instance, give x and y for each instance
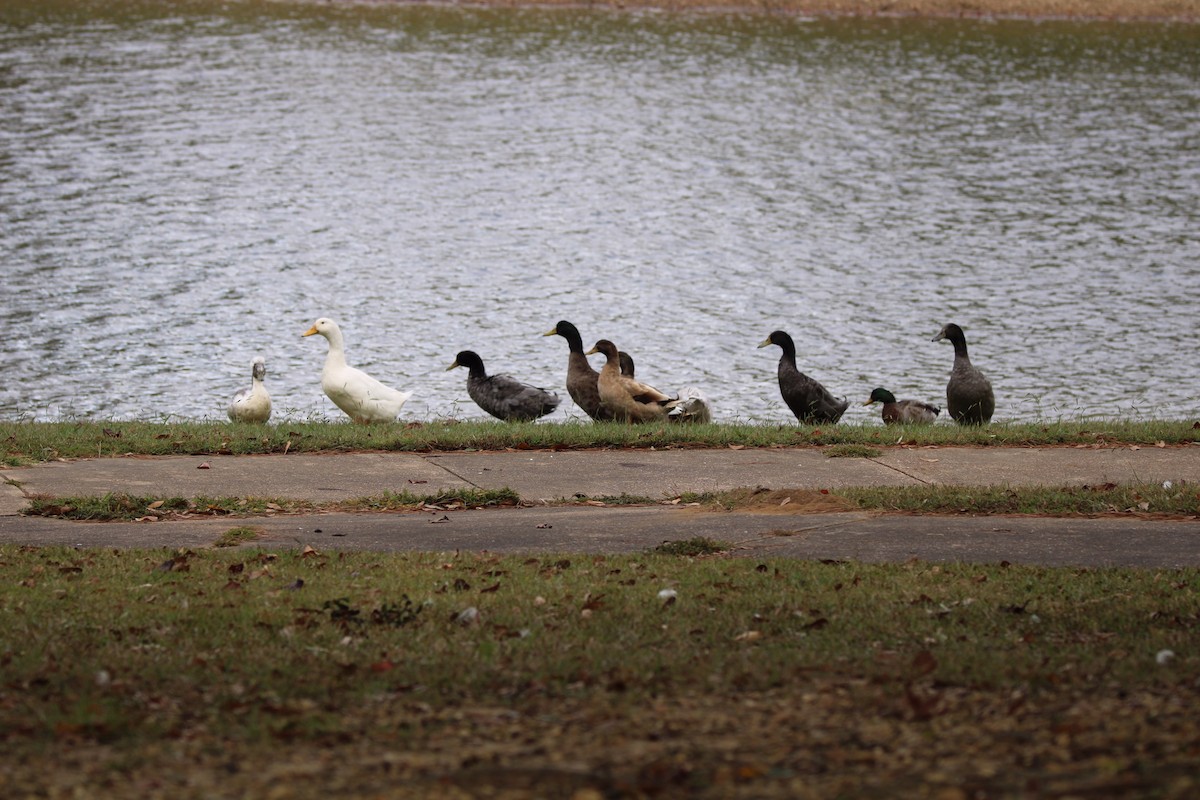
(574, 340)
(789, 352)
(960, 350)
(337, 351)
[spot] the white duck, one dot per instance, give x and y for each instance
(362, 397)
(253, 404)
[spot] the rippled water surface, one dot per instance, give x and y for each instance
(183, 186)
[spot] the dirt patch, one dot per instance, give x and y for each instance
(786, 501)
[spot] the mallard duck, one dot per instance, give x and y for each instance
(969, 397)
(625, 398)
(253, 404)
(362, 397)
(903, 412)
(808, 399)
(502, 396)
(581, 377)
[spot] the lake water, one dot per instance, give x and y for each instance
(184, 186)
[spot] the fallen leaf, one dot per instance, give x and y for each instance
(205, 465)
(924, 662)
(443, 518)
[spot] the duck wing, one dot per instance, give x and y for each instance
(915, 412)
(969, 396)
(506, 398)
(581, 386)
(363, 398)
(807, 398)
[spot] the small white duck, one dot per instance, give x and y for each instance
(253, 404)
(363, 398)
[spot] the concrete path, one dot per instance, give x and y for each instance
(538, 475)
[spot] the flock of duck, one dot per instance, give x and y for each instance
(614, 393)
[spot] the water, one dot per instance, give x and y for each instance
(185, 186)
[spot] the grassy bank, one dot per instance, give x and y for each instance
(233, 672)
(31, 442)
(1184, 10)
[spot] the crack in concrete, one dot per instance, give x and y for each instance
(449, 471)
(902, 472)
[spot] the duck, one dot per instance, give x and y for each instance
(628, 368)
(691, 403)
(364, 399)
(502, 396)
(969, 396)
(582, 378)
(807, 398)
(903, 412)
(691, 406)
(253, 404)
(627, 399)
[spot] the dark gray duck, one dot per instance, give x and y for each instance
(969, 397)
(581, 377)
(807, 398)
(503, 396)
(903, 412)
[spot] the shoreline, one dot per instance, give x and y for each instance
(1183, 11)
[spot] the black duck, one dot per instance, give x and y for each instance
(808, 399)
(503, 396)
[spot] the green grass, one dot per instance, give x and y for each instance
(237, 536)
(175, 669)
(31, 442)
(1151, 498)
(1144, 499)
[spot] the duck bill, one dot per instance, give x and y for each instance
(455, 365)
(765, 342)
(310, 331)
(552, 332)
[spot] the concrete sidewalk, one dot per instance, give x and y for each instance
(546, 475)
(538, 475)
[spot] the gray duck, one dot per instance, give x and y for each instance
(807, 398)
(581, 377)
(503, 396)
(969, 397)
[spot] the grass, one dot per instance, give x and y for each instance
(1143, 499)
(119, 506)
(32, 442)
(231, 672)
(238, 536)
